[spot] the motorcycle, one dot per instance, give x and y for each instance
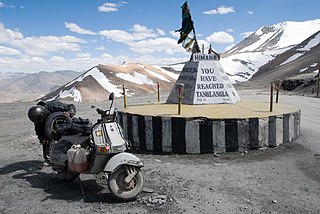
(98, 149)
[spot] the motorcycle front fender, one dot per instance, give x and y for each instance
(123, 158)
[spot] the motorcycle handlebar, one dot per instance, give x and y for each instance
(102, 112)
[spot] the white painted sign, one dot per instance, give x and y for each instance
(203, 57)
(205, 82)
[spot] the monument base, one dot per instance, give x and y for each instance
(243, 126)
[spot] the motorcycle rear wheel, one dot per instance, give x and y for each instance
(122, 190)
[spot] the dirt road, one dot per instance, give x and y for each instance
(275, 180)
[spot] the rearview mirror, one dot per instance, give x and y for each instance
(111, 96)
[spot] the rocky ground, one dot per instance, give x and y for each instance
(276, 180)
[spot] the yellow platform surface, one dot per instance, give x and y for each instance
(240, 110)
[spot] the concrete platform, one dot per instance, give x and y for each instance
(215, 128)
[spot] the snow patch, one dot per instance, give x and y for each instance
(157, 75)
(169, 73)
(303, 69)
(259, 32)
(73, 92)
(141, 66)
(104, 82)
(312, 43)
(292, 58)
(136, 78)
(263, 39)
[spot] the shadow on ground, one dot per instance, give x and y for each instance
(55, 185)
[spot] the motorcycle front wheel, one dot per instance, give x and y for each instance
(125, 191)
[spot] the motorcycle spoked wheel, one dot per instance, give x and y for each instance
(122, 190)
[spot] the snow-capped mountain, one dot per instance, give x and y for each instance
(243, 60)
(302, 58)
(98, 82)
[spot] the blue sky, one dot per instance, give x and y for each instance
(52, 35)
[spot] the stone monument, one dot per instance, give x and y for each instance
(204, 82)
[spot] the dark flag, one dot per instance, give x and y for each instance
(189, 43)
(187, 25)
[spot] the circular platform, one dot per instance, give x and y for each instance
(217, 128)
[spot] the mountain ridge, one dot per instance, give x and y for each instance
(262, 56)
(101, 80)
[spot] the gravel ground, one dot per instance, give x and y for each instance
(276, 180)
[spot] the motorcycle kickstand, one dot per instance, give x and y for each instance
(81, 187)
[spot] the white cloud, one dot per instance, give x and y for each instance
(246, 34)
(110, 7)
(56, 63)
(5, 5)
(37, 46)
(220, 10)
(57, 59)
(100, 48)
(161, 32)
(117, 35)
(175, 34)
(149, 46)
(43, 45)
(143, 40)
(141, 32)
(106, 56)
(7, 35)
(75, 28)
(230, 30)
(149, 59)
(37, 59)
(220, 38)
(249, 12)
(8, 51)
(67, 39)
(83, 55)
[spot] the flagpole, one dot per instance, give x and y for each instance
(193, 29)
